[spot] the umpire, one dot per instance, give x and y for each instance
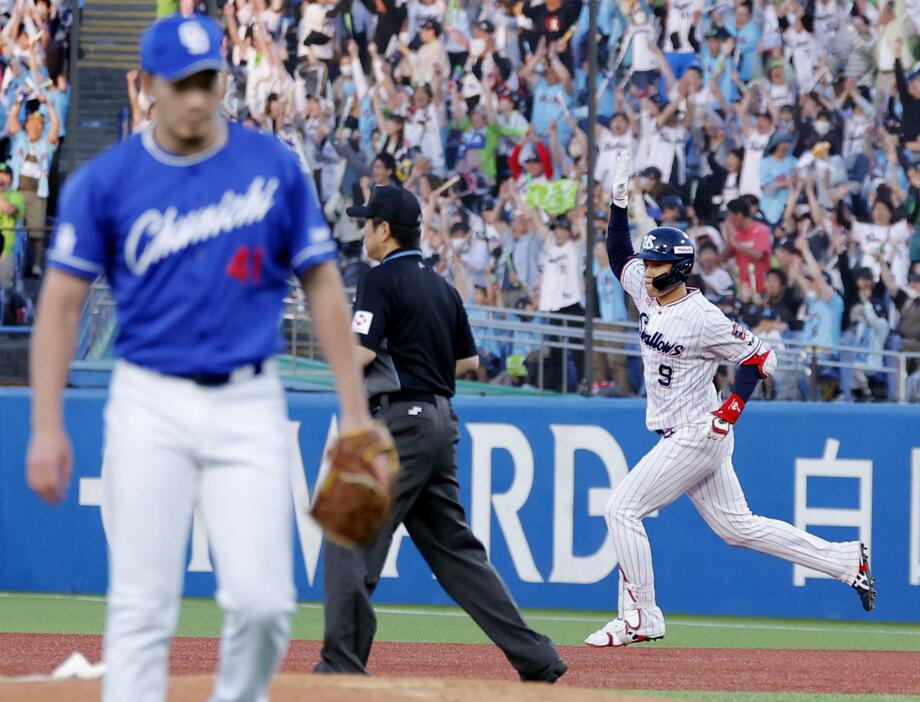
(415, 338)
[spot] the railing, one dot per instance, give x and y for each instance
(541, 333)
(98, 324)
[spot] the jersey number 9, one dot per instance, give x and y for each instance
(665, 373)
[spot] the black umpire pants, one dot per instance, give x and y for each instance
(428, 503)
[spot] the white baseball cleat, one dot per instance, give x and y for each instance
(640, 625)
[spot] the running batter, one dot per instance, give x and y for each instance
(684, 339)
(196, 224)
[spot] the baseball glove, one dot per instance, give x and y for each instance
(355, 499)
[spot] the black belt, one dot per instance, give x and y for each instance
(665, 433)
(389, 398)
(212, 380)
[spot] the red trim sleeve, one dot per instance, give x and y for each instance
(757, 360)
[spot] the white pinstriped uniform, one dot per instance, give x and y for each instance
(682, 344)
(680, 20)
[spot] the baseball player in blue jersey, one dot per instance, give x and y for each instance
(196, 223)
(684, 338)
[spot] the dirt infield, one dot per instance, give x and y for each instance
(636, 667)
(340, 688)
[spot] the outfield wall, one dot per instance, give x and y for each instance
(543, 470)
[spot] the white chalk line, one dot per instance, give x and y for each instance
(676, 621)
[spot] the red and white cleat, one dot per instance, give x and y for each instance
(639, 625)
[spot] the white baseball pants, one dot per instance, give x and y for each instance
(171, 445)
(689, 462)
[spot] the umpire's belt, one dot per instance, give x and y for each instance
(386, 399)
(212, 380)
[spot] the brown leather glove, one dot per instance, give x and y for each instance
(355, 499)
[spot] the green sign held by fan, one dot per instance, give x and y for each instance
(556, 197)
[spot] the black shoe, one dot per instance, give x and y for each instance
(865, 582)
(549, 674)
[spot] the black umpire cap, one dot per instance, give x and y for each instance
(391, 204)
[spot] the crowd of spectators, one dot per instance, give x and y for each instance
(784, 135)
(34, 99)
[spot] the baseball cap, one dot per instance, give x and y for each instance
(561, 223)
(651, 172)
(863, 272)
(429, 23)
(776, 139)
(176, 47)
(528, 153)
(672, 201)
(914, 72)
(486, 26)
(718, 33)
(392, 204)
(522, 303)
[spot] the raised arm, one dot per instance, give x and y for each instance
(791, 201)
(817, 210)
(437, 87)
(357, 70)
(554, 147)
(623, 106)
(528, 73)
(34, 64)
(564, 76)
(232, 30)
(887, 278)
(619, 244)
(13, 125)
(669, 79)
(825, 291)
(771, 107)
(666, 113)
(54, 128)
(743, 108)
(11, 30)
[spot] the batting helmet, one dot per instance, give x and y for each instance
(669, 244)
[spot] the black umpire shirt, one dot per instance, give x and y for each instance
(416, 324)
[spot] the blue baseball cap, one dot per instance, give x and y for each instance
(176, 47)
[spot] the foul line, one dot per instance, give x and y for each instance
(675, 620)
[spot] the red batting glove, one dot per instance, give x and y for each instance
(726, 416)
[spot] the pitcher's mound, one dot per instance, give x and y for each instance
(331, 688)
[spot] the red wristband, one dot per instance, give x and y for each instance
(731, 409)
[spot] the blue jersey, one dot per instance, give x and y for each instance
(197, 250)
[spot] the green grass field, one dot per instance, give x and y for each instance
(65, 614)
